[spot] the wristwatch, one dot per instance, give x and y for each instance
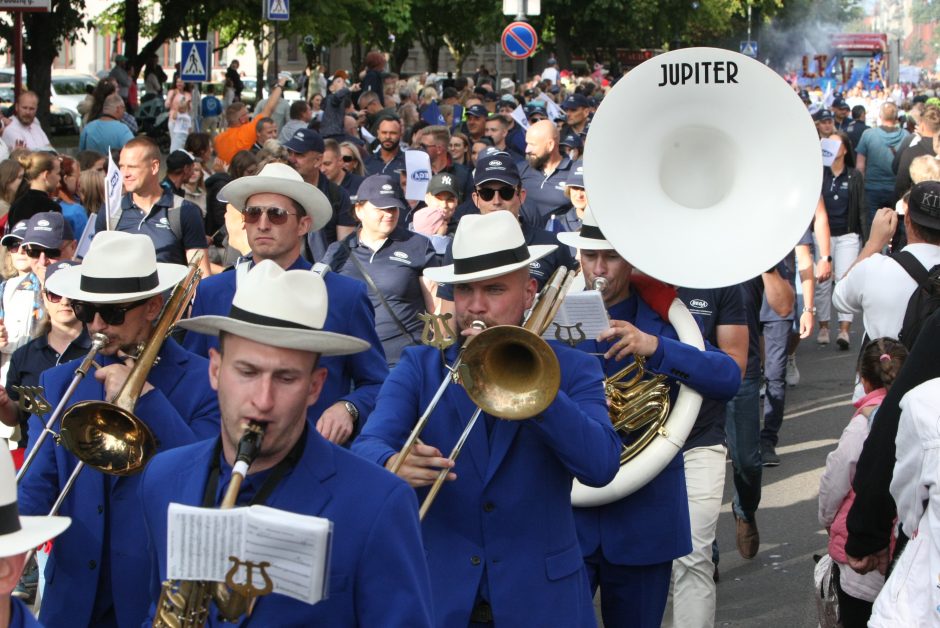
(352, 410)
(811, 310)
(825, 258)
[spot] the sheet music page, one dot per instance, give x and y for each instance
(200, 540)
(297, 546)
(586, 311)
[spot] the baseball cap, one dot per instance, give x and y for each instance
(48, 230)
(15, 236)
(179, 159)
(52, 269)
(924, 204)
(379, 189)
(822, 114)
(575, 176)
(490, 96)
(536, 107)
(478, 111)
(575, 101)
(572, 140)
(839, 103)
(443, 182)
(804, 95)
(496, 167)
(305, 141)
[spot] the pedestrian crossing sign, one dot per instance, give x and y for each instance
(194, 61)
(277, 10)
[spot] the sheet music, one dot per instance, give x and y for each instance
(583, 309)
(200, 541)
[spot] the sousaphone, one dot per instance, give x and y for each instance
(703, 169)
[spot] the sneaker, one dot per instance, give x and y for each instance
(768, 454)
(842, 340)
(793, 373)
(823, 336)
(747, 537)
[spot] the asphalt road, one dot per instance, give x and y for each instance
(776, 587)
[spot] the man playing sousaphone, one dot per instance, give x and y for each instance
(629, 545)
(501, 541)
(97, 574)
(266, 374)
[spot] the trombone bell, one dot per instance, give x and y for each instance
(107, 438)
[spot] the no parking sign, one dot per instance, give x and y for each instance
(519, 40)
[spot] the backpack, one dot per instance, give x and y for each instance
(925, 299)
(173, 214)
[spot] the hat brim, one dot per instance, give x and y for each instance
(446, 274)
(67, 283)
(34, 532)
(923, 220)
(310, 198)
(322, 342)
(10, 239)
(576, 240)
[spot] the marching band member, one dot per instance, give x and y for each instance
(278, 209)
(501, 542)
(266, 370)
(658, 513)
(95, 575)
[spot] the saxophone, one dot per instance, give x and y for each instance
(185, 604)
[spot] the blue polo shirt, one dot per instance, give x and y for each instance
(396, 269)
(29, 361)
(546, 193)
(377, 166)
(712, 307)
(541, 269)
(835, 193)
(155, 224)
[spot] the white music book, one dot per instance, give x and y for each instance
(582, 316)
(201, 540)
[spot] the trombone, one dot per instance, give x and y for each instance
(508, 372)
(107, 436)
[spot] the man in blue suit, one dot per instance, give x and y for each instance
(500, 539)
(629, 545)
(94, 576)
(266, 372)
(278, 209)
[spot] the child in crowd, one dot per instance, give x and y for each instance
(878, 366)
(181, 123)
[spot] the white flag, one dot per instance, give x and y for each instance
(113, 190)
(418, 165)
(518, 114)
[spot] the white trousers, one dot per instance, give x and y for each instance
(845, 249)
(693, 593)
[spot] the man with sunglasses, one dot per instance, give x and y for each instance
(98, 573)
(278, 209)
(48, 238)
(499, 187)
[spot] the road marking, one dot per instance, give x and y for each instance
(828, 406)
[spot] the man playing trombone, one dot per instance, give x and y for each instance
(629, 545)
(501, 542)
(266, 372)
(98, 569)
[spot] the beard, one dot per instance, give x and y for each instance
(537, 161)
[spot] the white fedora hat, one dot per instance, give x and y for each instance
(487, 246)
(281, 308)
(589, 237)
(280, 179)
(21, 534)
(119, 267)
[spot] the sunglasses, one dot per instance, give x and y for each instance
(506, 193)
(35, 252)
(110, 313)
(52, 297)
(349, 159)
(276, 215)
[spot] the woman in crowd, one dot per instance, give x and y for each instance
(459, 149)
(877, 368)
(20, 303)
(11, 178)
(69, 194)
(42, 171)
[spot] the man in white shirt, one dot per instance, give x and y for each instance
(24, 131)
(877, 286)
(550, 73)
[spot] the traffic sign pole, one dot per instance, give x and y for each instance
(521, 64)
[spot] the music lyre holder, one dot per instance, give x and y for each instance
(247, 589)
(575, 335)
(31, 400)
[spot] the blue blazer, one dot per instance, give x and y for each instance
(378, 575)
(21, 616)
(652, 525)
(509, 510)
(356, 378)
(182, 409)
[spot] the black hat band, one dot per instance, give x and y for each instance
(467, 265)
(117, 285)
(591, 232)
(245, 316)
(10, 519)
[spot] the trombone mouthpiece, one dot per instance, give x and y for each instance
(100, 340)
(478, 325)
(600, 284)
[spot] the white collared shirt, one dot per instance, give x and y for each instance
(33, 136)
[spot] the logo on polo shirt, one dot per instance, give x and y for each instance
(163, 223)
(400, 256)
(698, 304)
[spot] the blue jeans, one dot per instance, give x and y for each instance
(776, 337)
(742, 431)
(876, 199)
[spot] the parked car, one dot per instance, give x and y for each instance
(68, 89)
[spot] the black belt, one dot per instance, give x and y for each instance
(482, 613)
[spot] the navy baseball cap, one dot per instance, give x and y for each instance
(48, 230)
(379, 189)
(924, 204)
(305, 141)
(13, 239)
(804, 95)
(575, 176)
(838, 103)
(572, 140)
(823, 114)
(478, 111)
(52, 269)
(576, 101)
(490, 96)
(535, 108)
(497, 166)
